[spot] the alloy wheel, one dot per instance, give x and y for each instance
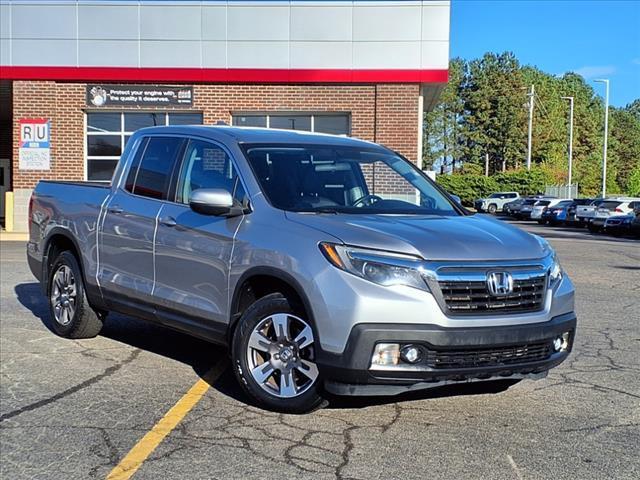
(63, 295)
(280, 355)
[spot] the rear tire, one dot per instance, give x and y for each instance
(71, 314)
(593, 229)
(273, 353)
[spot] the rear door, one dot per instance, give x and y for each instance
(193, 251)
(126, 270)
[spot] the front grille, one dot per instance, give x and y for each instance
(472, 297)
(486, 357)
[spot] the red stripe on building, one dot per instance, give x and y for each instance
(220, 75)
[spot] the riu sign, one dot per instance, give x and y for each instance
(35, 144)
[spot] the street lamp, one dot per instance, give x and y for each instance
(606, 131)
(570, 136)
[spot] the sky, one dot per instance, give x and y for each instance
(595, 38)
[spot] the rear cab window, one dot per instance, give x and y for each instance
(153, 167)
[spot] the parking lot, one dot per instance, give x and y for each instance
(74, 409)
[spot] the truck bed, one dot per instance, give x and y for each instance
(66, 206)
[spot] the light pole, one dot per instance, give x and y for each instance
(531, 96)
(606, 134)
(570, 136)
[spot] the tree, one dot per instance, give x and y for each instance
(442, 130)
(494, 112)
(484, 110)
(624, 141)
(633, 185)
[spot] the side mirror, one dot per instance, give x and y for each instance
(213, 201)
(456, 198)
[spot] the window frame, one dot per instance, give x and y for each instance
(122, 134)
(294, 113)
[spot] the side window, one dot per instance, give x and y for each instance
(156, 167)
(206, 165)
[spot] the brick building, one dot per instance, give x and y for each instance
(78, 77)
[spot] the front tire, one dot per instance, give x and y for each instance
(71, 314)
(273, 353)
(492, 209)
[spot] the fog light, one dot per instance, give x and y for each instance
(411, 354)
(386, 354)
(561, 343)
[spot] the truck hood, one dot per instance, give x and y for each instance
(474, 237)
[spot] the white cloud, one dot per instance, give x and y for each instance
(594, 71)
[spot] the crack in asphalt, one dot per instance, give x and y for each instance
(69, 391)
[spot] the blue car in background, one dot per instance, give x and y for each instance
(558, 214)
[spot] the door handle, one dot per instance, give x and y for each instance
(115, 209)
(168, 221)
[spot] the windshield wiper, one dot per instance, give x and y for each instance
(329, 210)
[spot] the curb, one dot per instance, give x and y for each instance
(13, 237)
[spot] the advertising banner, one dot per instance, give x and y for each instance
(35, 144)
(109, 95)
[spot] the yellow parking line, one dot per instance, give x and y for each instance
(130, 464)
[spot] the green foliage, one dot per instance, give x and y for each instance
(523, 181)
(468, 187)
(484, 110)
(472, 186)
(633, 185)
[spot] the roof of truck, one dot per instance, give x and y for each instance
(261, 135)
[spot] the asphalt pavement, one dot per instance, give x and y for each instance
(74, 409)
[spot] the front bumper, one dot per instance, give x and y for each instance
(350, 372)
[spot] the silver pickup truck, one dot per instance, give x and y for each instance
(325, 264)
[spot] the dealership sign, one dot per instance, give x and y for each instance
(35, 144)
(109, 95)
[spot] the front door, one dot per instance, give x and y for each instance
(193, 251)
(126, 268)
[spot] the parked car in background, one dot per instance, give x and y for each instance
(610, 208)
(540, 206)
(557, 214)
(635, 223)
(495, 202)
(572, 210)
(619, 225)
(585, 213)
(510, 208)
(524, 212)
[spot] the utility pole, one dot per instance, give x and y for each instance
(486, 164)
(606, 134)
(570, 136)
(531, 96)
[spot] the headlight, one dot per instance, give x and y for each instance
(555, 272)
(383, 268)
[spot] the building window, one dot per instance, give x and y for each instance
(108, 133)
(334, 123)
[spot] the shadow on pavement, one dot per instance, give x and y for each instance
(202, 355)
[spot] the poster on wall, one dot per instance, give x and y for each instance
(35, 144)
(109, 95)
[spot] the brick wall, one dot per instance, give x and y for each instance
(387, 114)
(394, 125)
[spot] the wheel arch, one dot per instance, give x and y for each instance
(58, 240)
(258, 282)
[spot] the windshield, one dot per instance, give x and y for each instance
(542, 203)
(310, 178)
(565, 203)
